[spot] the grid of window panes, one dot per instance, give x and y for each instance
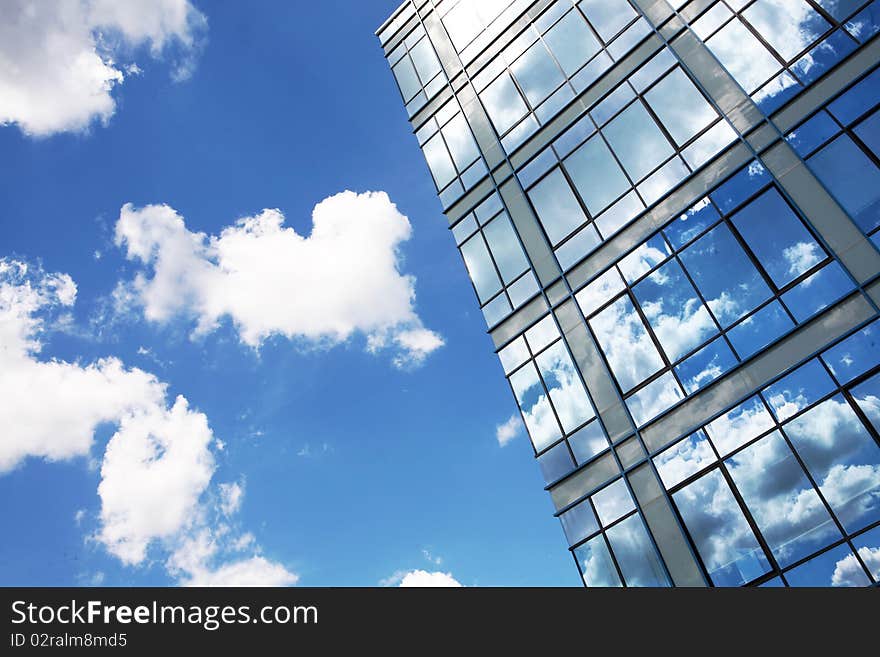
(417, 70)
(782, 489)
(556, 57)
(451, 152)
(474, 24)
(555, 406)
(775, 48)
(789, 480)
(841, 144)
(495, 260)
(716, 285)
(625, 153)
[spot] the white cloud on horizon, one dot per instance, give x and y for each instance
(422, 579)
(158, 465)
(341, 280)
(59, 59)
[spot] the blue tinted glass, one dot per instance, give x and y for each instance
(858, 100)
(724, 274)
(587, 442)
(537, 73)
(644, 258)
(822, 57)
(480, 267)
(595, 563)
(556, 462)
(635, 554)
(706, 365)
(556, 205)
(786, 508)
(691, 223)
(597, 177)
(793, 393)
(760, 330)
(740, 186)
(637, 141)
(673, 309)
(818, 292)
(837, 567)
(869, 132)
(572, 42)
(776, 92)
(779, 239)
(566, 391)
(858, 353)
(626, 343)
(775, 583)
(842, 457)
(721, 534)
(867, 396)
(868, 547)
(840, 9)
(812, 133)
(866, 23)
(852, 178)
(687, 457)
(654, 398)
(579, 522)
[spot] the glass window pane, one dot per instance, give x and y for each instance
(556, 205)
(739, 425)
(680, 106)
(596, 565)
(613, 502)
(778, 238)
(868, 547)
(601, 290)
(789, 26)
(852, 178)
(460, 141)
(480, 267)
(691, 223)
(597, 177)
(855, 355)
(572, 42)
(654, 398)
(503, 103)
(637, 141)
(542, 334)
(706, 365)
(869, 132)
(579, 522)
(608, 16)
(635, 554)
(425, 60)
(792, 394)
(785, 506)
(724, 274)
(537, 413)
(687, 457)
(644, 258)
(406, 78)
(818, 291)
(750, 63)
(555, 463)
(867, 396)
(625, 341)
(567, 393)
(587, 442)
(837, 567)
(759, 330)
(537, 73)
(721, 534)
(513, 355)
(842, 457)
(439, 161)
(674, 310)
(505, 247)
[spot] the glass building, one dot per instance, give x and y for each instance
(670, 212)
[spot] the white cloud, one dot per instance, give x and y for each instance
(157, 466)
(59, 58)
(231, 496)
(421, 578)
(848, 572)
(801, 256)
(509, 430)
(343, 279)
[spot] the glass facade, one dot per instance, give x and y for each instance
(670, 213)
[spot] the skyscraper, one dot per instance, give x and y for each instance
(670, 213)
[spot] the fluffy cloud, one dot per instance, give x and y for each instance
(422, 579)
(509, 430)
(59, 59)
(848, 572)
(343, 279)
(157, 467)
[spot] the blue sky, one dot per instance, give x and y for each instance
(322, 461)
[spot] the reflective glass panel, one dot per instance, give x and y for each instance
(556, 205)
(680, 107)
(637, 141)
(537, 73)
(635, 554)
(837, 567)
(505, 247)
(597, 177)
(537, 413)
(480, 267)
(749, 62)
(572, 42)
(852, 178)
(596, 565)
(503, 103)
(566, 390)
(687, 457)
